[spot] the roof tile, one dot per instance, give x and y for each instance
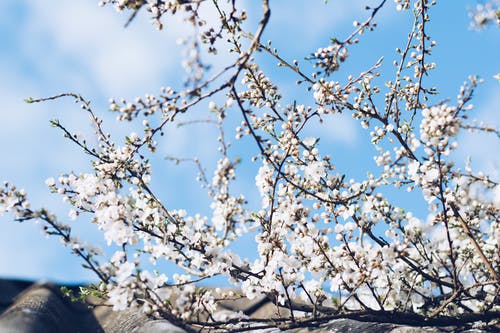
(27, 307)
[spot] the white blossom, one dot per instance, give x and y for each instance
(315, 171)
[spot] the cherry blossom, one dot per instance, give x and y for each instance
(326, 242)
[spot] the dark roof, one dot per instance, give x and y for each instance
(27, 307)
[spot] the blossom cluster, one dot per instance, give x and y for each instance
(484, 14)
(156, 9)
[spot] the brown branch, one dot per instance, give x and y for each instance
(391, 317)
(409, 263)
(468, 232)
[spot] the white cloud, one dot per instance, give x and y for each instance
(79, 41)
(30, 153)
(337, 128)
(308, 24)
(482, 148)
(26, 254)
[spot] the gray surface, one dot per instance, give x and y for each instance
(41, 308)
(27, 307)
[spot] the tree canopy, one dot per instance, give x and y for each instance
(329, 241)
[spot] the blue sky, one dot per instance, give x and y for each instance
(48, 47)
